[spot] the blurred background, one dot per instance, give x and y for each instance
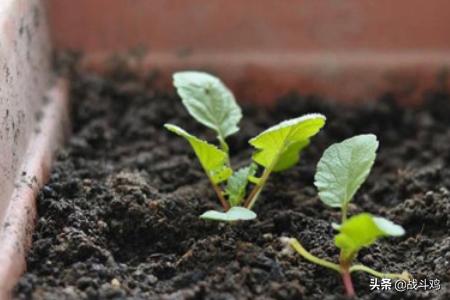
(349, 50)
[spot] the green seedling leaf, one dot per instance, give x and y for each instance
(278, 148)
(209, 101)
(235, 213)
(388, 227)
(254, 180)
(237, 184)
(212, 159)
(363, 230)
(335, 226)
(344, 167)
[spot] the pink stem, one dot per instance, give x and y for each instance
(348, 284)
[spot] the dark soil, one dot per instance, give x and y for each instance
(119, 217)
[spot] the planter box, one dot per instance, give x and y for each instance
(352, 51)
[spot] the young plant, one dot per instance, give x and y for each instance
(340, 172)
(278, 148)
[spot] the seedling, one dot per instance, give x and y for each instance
(278, 148)
(340, 172)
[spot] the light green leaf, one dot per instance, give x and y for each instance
(290, 156)
(254, 180)
(388, 227)
(344, 167)
(212, 159)
(209, 101)
(236, 213)
(363, 230)
(237, 183)
(279, 146)
(335, 226)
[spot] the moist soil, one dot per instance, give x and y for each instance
(119, 216)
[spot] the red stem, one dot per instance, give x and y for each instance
(348, 284)
(222, 200)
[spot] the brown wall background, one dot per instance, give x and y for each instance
(252, 25)
(344, 49)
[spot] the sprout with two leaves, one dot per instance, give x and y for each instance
(340, 172)
(278, 148)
